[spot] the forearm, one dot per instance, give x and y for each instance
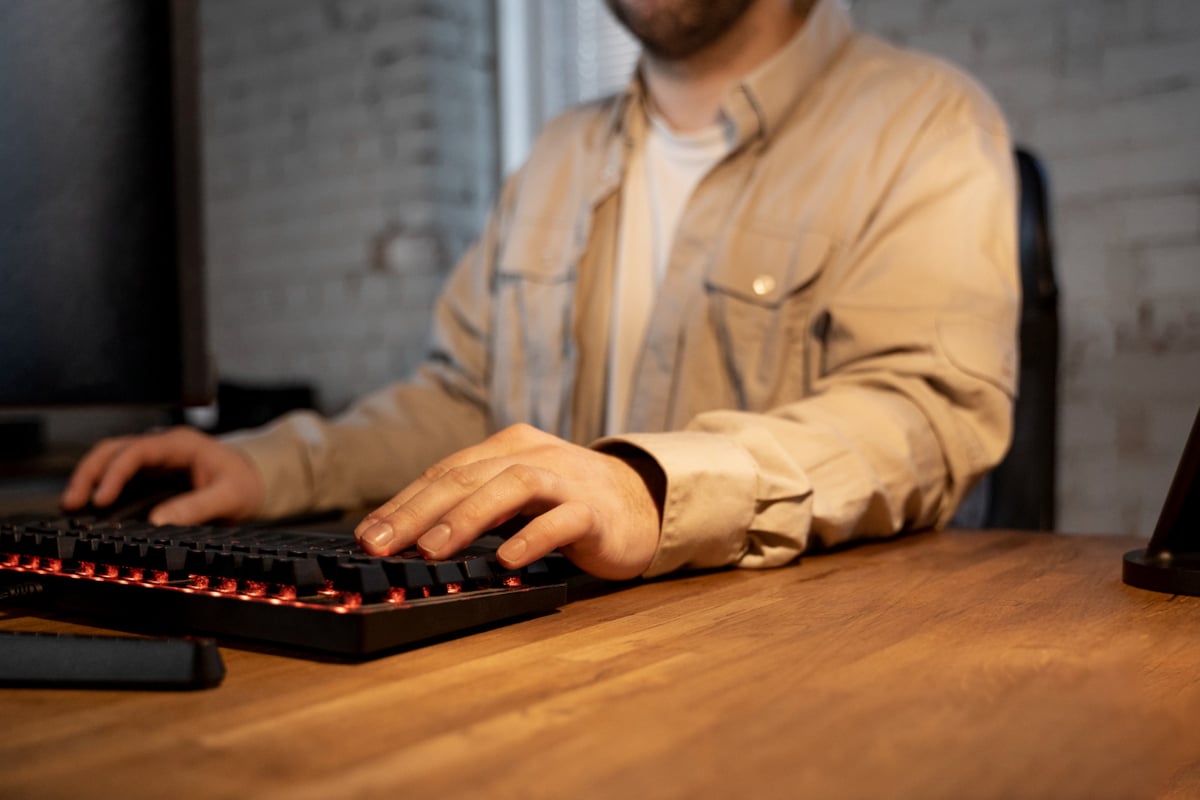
(308, 462)
(860, 460)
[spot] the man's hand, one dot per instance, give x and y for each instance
(600, 510)
(225, 484)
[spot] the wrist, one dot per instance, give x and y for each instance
(653, 478)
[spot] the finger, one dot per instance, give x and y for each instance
(503, 444)
(517, 489)
(467, 501)
(217, 500)
(392, 528)
(429, 477)
(398, 501)
(559, 527)
(173, 449)
(88, 472)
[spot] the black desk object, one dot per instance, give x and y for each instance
(1171, 561)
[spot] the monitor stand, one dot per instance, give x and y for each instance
(1171, 561)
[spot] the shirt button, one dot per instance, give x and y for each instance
(763, 285)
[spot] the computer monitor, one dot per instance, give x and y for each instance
(101, 285)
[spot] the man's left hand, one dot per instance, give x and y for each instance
(601, 511)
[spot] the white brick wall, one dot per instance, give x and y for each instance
(349, 159)
(1108, 93)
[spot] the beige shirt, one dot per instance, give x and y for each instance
(660, 173)
(831, 354)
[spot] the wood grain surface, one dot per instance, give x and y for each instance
(945, 665)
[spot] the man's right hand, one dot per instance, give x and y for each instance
(225, 485)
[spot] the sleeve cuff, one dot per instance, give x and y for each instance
(281, 461)
(709, 504)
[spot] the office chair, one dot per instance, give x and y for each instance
(1019, 492)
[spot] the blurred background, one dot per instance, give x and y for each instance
(352, 149)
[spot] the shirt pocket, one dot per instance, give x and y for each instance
(539, 252)
(760, 296)
(533, 351)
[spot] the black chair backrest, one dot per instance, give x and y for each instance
(1020, 491)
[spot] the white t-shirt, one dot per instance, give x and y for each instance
(661, 173)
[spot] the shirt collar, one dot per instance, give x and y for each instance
(756, 106)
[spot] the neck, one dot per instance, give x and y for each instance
(688, 92)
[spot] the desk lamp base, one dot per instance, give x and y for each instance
(1172, 573)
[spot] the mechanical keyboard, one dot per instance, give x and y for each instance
(298, 589)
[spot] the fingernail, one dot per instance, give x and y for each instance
(363, 526)
(378, 536)
(434, 539)
(512, 550)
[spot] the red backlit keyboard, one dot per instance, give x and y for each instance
(296, 589)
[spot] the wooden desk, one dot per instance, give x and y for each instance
(952, 665)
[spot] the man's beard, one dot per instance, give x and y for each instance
(677, 29)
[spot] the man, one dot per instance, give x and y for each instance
(773, 285)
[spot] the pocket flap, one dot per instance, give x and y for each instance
(764, 267)
(536, 251)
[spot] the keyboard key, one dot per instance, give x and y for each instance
(368, 581)
(410, 574)
(477, 570)
(448, 577)
(168, 559)
(297, 577)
